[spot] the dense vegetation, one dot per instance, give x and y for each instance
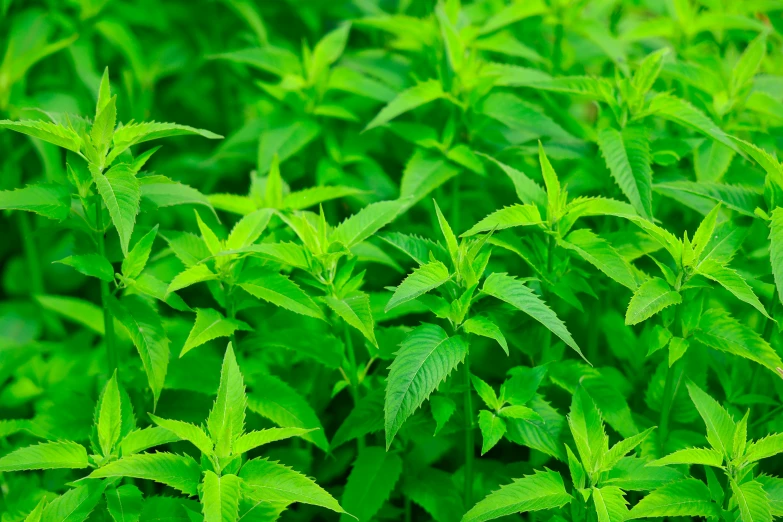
(450, 261)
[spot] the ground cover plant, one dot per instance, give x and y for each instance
(391, 260)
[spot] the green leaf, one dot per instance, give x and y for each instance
(137, 258)
(575, 468)
(689, 497)
(492, 430)
(543, 490)
(283, 253)
(426, 357)
(721, 331)
(703, 234)
(93, 265)
(209, 325)
(679, 111)
(356, 311)
(677, 348)
(248, 229)
(191, 276)
(124, 503)
(587, 428)
(48, 455)
(47, 199)
(37, 512)
(163, 192)
(442, 408)
(186, 431)
(599, 253)
(180, 472)
(423, 279)
(328, 50)
(46, 131)
(528, 191)
(773, 486)
(486, 393)
(424, 172)
(776, 249)
(74, 309)
(746, 69)
(407, 100)
(731, 281)
(552, 184)
(483, 326)
(366, 417)
(706, 457)
(109, 416)
(273, 482)
(514, 292)
(370, 484)
(254, 439)
(279, 290)
(366, 222)
(231, 401)
(135, 133)
(104, 92)
(507, 217)
(610, 504)
(622, 448)
(448, 235)
(309, 197)
(752, 501)
(103, 127)
(512, 13)
(720, 426)
(121, 194)
(736, 197)
(145, 328)
(764, 448)
(650, 298)
(434, 491)
(220, 498)
(283, 405)
(285, 141)
(75, 505)
(140, 440)
(627, 155)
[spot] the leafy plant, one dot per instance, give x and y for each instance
(454, 260)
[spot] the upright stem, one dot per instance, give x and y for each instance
(673, 375)
(231, 311)
(108, 320)
(455, 204)
(469, 444)
(31, 253)
(557, 51)
(353, 377)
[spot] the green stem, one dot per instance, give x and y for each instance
(469, 444)
(455, 204)
(550, 252)
(353, 376)
(108, 319)
(673, 375)
(31, 253)
(557, 50)
(231, 311)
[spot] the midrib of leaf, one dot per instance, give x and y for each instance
(119, 501)
(417, 373)
(654, 301)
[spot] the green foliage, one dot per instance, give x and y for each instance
(304, 320)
